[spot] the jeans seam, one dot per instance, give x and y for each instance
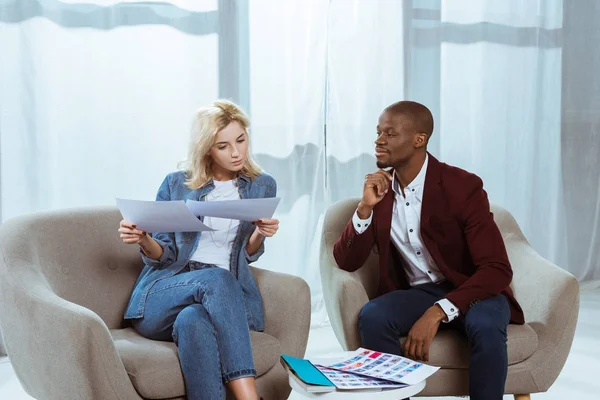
(227, 376)
(220, 361)
(191, 281)
(173, 285)
(204, 302)
(174, 336)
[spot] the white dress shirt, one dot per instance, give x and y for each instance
(406, 236)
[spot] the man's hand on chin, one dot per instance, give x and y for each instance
(416, 346)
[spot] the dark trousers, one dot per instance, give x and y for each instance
(382, 321)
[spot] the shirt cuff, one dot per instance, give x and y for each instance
(254, 257)
(449, 308)
(151, 262)
(361, 225)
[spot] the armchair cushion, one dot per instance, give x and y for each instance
(153, 366)
(450, 349)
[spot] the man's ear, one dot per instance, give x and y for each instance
(421, 140)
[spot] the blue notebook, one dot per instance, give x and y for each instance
(306, 371)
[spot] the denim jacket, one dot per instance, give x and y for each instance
(179, 247)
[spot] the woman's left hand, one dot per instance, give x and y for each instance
(267, 227)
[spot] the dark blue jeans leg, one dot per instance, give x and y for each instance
(383, 320)
(485, 325)
(203, 311)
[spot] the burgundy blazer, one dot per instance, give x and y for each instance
(457, 228)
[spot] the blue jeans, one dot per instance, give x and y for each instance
(383, 320)
(202, 310)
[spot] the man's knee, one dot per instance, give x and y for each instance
(486, 332)
(372, 318)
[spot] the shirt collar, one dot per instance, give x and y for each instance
(416, 186)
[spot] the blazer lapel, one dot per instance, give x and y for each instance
(384, 221)
(433, 200)
(433, 207)
(383, 224)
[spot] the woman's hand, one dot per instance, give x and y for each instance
(264, 228)
(130, 234)
(267, 227)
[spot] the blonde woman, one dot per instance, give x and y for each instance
(196, 288)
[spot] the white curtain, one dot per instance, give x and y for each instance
(366, 69)
(500, 108)
(96, 100)
(514, 90)
(580, 139)
(287, 55)
(94, 106)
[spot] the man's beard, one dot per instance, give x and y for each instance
(382, 164)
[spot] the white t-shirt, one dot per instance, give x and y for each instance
(215, 247)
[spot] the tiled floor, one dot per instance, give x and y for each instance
(578, 380)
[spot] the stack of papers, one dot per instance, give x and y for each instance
(363, 369)
(180, 216)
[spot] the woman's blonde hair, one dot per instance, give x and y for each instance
(207, 123)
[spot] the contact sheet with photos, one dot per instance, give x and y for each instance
(345, 380)
(382, 366)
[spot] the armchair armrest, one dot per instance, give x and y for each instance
(344, 296)
(286, 300)
(544, 290)
(344, 292)
(549, 296)
(56, 345)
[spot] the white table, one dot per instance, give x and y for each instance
(385, 394)
(378, 394)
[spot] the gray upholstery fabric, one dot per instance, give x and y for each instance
(537, 350)
(65, 279)
(450, 349)
(153, 367)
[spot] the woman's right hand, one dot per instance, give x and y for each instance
(130, 234)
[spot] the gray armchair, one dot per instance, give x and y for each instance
(65, 279)
(537, 350)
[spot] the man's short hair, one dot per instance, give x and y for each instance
(417, 113)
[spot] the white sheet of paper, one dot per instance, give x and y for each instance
(161, 216)
(242, 210)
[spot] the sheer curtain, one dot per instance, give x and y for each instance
(95, 105)
(366, 68)
(96, 100)
(500, 86)
(580, 138)
(515, 94)
(287, 53)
